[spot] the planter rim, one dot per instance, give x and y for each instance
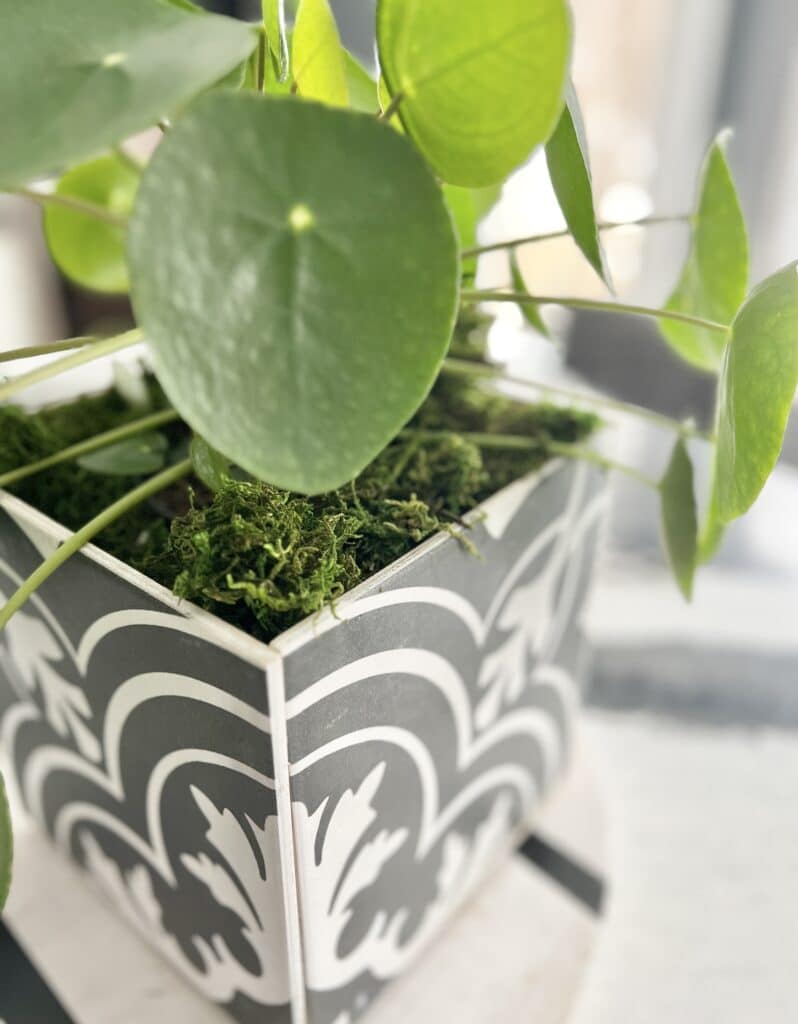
(249, 648)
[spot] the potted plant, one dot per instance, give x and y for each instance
(291, 770)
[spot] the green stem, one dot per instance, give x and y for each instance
(91, 444)
(84, 355)
(88, 532)
(74, 204)
(260, 73)
(518, 442)
(469, 368)
(574, 451)
(393, 106)
(29, 351)
(514, 243)
(573, 302)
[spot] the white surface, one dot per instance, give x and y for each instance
(702, 923)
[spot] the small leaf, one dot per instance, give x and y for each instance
(479, 89)
(292, 344)
(529, 310)
(362, 87)
(6, 845)
(569, 169)
(136, 456)
(679, 518)
(76, 78)
(319, 65)
(277, 37)
(756, 391)
(715, 277)
(211, 466)
(87, 250)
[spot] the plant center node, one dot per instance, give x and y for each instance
(301, 218)
(113, 59)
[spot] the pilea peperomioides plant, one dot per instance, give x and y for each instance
(299, 246)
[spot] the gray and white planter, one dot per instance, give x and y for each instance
(290, 824)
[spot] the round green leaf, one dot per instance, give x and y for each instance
(569, 170)
(468, 206)
(6, 846)
(481, 86)
(88, 250)
(757, 391)
(299, 295)
(715, 277)
(78, 77)
(679, 517)
(136, 456)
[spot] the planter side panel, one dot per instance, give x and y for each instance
(143, 747)
(426, 723)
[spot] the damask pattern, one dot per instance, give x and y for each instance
(291, 859)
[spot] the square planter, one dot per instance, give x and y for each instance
(290, 823)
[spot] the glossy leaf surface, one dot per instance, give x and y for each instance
(79, 77)
(715, 277)
(319, 62)
(569, 169)
(679, 517)
(481, 86)
(87, 250)
(757, 391)
(299, 313)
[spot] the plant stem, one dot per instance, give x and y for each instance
(29, 351)
(260, 73)
(74, 204)
(89, 532)
(574, 451)
(91, 444)
(514, 243)
(393, 106)
(520, 443)
(86, 354)
(573, 302)
(469, 368)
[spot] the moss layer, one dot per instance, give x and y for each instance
(263, 558)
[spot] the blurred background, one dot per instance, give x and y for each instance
(693, 712)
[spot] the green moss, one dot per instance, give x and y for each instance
(263, 558)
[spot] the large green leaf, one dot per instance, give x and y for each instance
(277, 37)
(299, 296)
(569, 169)
(679, 517)
(319, 65)
(87, 250)
(756, 391)
(6, 846)
(481, 85)
(715, 277)
(78, 77)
